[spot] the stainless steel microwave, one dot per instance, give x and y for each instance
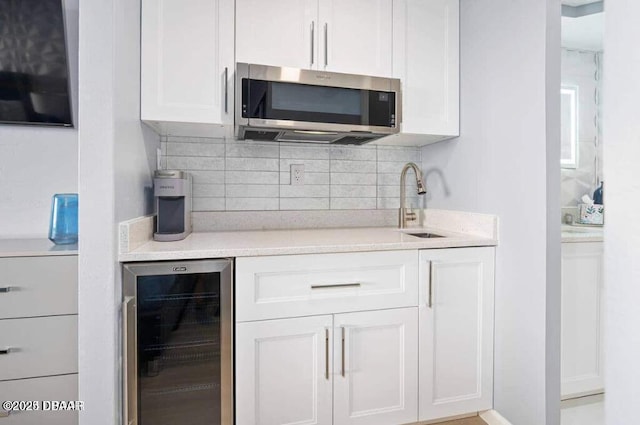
(299, 105)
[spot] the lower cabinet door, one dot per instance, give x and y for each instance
(376, 367)
(582, 319)
(456, 331)
(283, 371)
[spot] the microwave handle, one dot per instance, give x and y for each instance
(130, 373)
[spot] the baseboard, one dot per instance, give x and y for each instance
(492, 417)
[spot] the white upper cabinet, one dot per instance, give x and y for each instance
(426, 60)
(187, 61)
(356, 37)
(277, 33)
(351, 36)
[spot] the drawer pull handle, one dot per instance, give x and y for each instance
(5, 289)
(337, 285)
(5, 350)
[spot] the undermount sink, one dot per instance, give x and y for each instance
(425, 235)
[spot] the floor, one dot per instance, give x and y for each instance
(583, 411)
(468, 421)
(579, 411)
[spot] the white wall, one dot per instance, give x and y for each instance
(116, 155)
(622, 229)
(37, 162)
(510, 131)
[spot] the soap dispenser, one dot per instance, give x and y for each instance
(597, 195)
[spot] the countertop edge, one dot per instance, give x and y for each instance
(40, 247)
(300, 250)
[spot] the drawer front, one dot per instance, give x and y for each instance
(53, 388)
(305, 285)
(38, 286)
(38, 346)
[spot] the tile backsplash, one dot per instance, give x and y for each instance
(235, 175)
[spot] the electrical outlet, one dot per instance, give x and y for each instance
(297, 174)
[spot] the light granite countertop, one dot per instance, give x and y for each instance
(303, 241)
(576, 233)
(34, 248)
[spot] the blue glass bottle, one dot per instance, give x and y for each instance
(63, 224)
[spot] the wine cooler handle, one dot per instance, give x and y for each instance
(130, 375)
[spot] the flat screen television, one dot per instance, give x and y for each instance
(34, 72)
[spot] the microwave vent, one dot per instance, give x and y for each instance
(261, 135)
(355, 140)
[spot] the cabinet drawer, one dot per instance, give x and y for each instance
(38, 346)
(58, 388)
(305, 285)
(39, 286)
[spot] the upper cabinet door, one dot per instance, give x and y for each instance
(426, 59)
(356, 37)
(187, 61)
(277, 32)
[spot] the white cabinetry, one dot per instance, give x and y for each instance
(358, 367)
(375, 367)
(283, 371)
(582, 319)
(456, 331)
(351, 36)
(38, 335)
(187, 65)
(426, 60)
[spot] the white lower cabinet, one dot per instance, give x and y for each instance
(582, 319)
(456, 331)
(353, 368)
(283, 371)
(371, 338)
(375, 367)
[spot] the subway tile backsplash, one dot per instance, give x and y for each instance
(239, 175)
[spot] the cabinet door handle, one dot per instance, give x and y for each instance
(432, 275)
(5, 289)
(326, 44)
(326, 354)
(337, 285)
(343, 333)
(313, 31)
(5, 350)
(226, 90)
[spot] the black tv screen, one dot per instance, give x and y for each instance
(34, 74)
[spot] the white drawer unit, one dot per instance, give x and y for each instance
(304, 285)
(38, 286)
(38, 346)
(53, 388)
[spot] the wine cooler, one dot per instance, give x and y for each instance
(178, 343)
